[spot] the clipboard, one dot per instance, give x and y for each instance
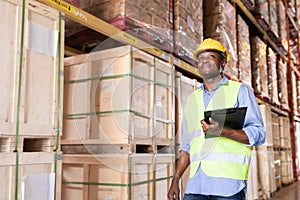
(231, 118)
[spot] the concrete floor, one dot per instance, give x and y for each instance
(291, 192)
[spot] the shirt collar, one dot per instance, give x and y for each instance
(222, 82)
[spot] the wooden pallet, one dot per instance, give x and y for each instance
(36, 175)
(133, 146)
(27, 144)
(38, 80)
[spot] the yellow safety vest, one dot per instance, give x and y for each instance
(219, 156)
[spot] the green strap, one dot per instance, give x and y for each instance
(58, 128)
(19, 100)
(118, 184)
(115, 77)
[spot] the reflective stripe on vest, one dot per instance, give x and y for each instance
(219, 157)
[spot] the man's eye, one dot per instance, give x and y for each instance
(212, 56)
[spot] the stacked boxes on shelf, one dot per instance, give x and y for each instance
(298, 93)
(243, 47)
(272, 76)
(30, 103)
(184, 86)
(282, 33)
(273, 21)
(259, 67)
(294, 87)
(219, 22)
(188, 28)
(262, 13)
(118, 103)
(283, 88)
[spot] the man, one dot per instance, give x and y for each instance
(218, 165)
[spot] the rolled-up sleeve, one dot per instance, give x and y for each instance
(254, 125)
(185, 138)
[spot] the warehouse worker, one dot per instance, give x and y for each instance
(218, 165)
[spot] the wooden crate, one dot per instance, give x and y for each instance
(252, 183)
(266, 113)
(285, 132)
(277, 166)
(286, 167)
(275, 130)
(184, 86)
(39, 80)
(108, 176)
(266, 170)
(36, 176)
(117, 96)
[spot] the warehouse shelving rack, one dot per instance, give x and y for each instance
(108, 30)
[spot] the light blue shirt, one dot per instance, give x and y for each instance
(201, 183)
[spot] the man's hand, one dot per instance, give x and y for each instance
(213, 128)
(173, 193)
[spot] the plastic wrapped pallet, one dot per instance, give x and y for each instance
(115, 176)
(259, 67)
(36, 87)
(261, 7)
(219, 18)
(243, 47)
(188, 28)
(272, 76)
(282, 34)
(147, 20)
(298, 10)
(282, 79)
(118, 96)
(294, 86)
(298, 93)
(273, 16)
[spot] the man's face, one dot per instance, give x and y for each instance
(209, 64)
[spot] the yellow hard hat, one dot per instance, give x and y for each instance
(211, 45)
